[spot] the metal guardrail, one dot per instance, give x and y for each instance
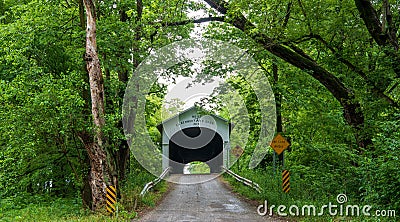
(154, 182)
(245, 181)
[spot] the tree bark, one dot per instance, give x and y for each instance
(352, 111)
(95, 148)
(382, 34)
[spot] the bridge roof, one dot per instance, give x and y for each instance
(197, 108)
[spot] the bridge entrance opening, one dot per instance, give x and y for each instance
(195, 135)
(196, 144)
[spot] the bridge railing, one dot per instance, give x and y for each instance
(243, 180)
(154, 182)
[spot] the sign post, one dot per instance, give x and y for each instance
(285, 181)
(280, 144)
(274, 161)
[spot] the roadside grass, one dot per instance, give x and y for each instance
(300, 195)
(25, 207)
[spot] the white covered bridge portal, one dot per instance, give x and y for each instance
(195, 135)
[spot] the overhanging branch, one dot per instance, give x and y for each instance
(351, 107)
(375, 89)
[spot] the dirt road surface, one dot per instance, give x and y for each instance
(209, 201)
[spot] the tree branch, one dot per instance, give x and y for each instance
(352, 67)
(294, 56)
(371, 20)
(381, 35)
(287, 16)
(373, 24)
(345, 96)
(305, 16)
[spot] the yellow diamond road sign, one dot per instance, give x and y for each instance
(279, 144)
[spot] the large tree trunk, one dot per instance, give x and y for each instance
(97, 171)
(352, 111)
(95, 148)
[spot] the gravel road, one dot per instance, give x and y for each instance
(209, 201)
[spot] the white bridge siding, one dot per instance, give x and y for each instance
(189, 118)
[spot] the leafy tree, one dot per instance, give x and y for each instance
(333, 66)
